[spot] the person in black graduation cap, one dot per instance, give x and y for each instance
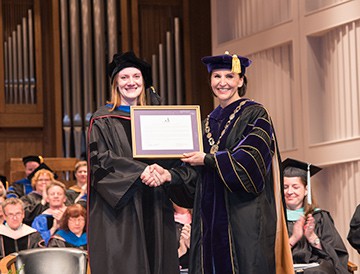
(313, 236)
(23, 186)
(131, 226)
(4, 186)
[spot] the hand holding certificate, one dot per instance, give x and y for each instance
(165, 131)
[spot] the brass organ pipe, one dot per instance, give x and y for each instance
(170, 69)
(76, 76)
(162, 74)
(20, 64)
(26, 60)
(65, 75)
(99, 51)
(6, 60)
(15, 66)
(112, 27)
(154, 70)
(11, 72)
(88, 89)
(178, 59)
(31, 58)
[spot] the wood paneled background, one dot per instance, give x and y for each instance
(139, 25)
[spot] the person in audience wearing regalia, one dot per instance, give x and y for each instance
(78, 192)
(4, 185)
(131, 226)
(48, 222)
(354, 231)
(183, 218)
(23, 186)
(239, 223)
(35, 202)
(72, 229)
(14, 234)
(312, 233)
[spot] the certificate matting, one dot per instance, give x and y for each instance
(165, 131)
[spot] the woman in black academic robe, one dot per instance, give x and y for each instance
(313, 236)
(131, 226)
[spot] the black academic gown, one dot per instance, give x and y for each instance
(354, 232)
(13, 241)
(234, 216)
(332, 258)
(131, 228)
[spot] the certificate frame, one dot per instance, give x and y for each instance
(165, 120)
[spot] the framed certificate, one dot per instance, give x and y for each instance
(165, 131)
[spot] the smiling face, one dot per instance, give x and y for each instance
(225, 84)
(42, 182)
(295, 192)
(130, 84)
(56, 196)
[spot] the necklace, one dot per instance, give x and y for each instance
(215, 146)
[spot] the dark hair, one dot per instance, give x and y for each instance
(241, 90)
(72, 211)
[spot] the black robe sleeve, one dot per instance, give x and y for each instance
(33, 207)
(354, 232)
(114, 173)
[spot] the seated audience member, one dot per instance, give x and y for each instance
(354, 232)
(78, 192)
(35, 201)
(182, 218)
(313, 236)
(14, 235)
(3, 186)
(2, 215)
(23, 186)
(72, 229)
(48, 222)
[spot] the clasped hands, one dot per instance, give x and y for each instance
(304, 227)
(155, 175)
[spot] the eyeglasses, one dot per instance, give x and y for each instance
(43, 180)
(76, 219)
(12, 215)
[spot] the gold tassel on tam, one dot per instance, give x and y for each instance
(236, 67)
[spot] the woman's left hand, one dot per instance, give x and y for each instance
(309, 226)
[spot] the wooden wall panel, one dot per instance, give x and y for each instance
(18, 143)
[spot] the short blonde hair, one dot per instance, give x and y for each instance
(12, 201)
(56, 183)
(37, 175)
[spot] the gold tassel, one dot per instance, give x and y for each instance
(236, 67)
(41, 159)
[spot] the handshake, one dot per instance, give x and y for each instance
(155, 175)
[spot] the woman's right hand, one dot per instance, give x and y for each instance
(298, 231)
